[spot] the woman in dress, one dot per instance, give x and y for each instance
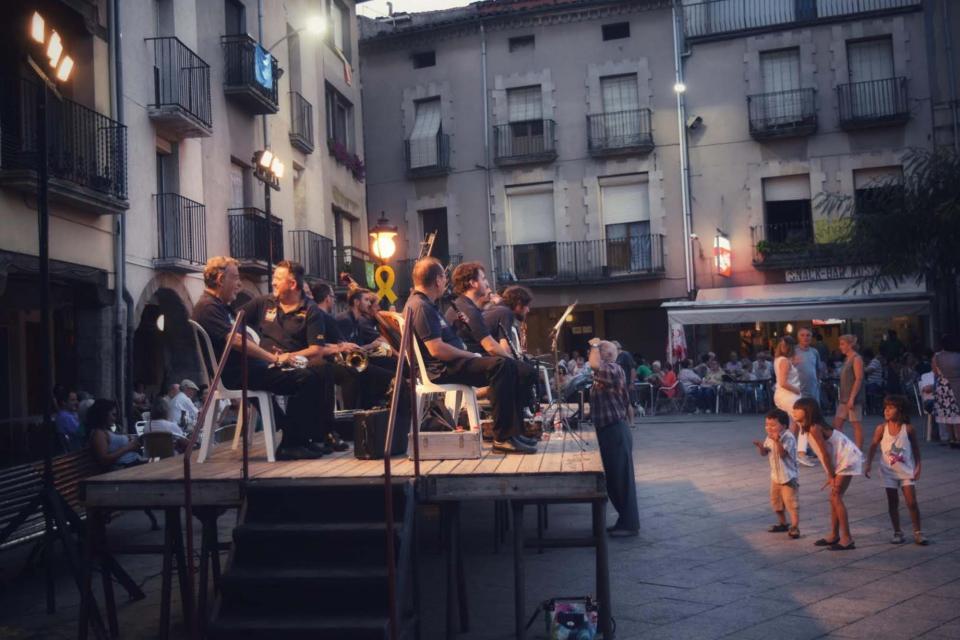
(853, 389)
(946, 368)
(787, 391)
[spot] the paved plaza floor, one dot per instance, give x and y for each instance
(703, 566)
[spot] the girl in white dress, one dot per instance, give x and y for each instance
(899, 464)
(787, 392)
(841, 460)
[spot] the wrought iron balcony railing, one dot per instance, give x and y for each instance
(181, 90)
(301, 123)
(783, 113)
(353, 261)
(86, 150)
(719, 18)
(254, 240)
(525, 142)
(621, 132)
(181, 233)
(250, 74)
(315, 253)
(873, 103)
(428, 157)
(796, 244)
(582, 260)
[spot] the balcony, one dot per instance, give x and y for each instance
(783, 114)
(86, 150)
(353, 261)
(796, 244)
(250, 75)
(585, 261)
(301, 123)
(181, 233)
(181, 90)
(620, 133)
(254, 241)
(427, 158)
(714, 19)
(874, 103)
(315, 253)
(526, 142)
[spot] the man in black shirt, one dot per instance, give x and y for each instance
(447, 361)
(501, 319)
(221, 279)
(464, 315)
(355, 323)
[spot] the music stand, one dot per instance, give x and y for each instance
(558, 399)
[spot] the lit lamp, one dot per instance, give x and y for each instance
(384, 245)
(268, 168)
(722, 255)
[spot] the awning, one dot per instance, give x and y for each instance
(797, 302)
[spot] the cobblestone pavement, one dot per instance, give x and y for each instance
(703, 567)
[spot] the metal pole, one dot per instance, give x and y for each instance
(43, 229)
(684, 152)
(266, 204)
(486, 152)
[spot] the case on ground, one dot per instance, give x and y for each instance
(447, 445)
(370, 433)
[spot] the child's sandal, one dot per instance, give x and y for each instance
(897, 538)
(918, 539)
(778, 528)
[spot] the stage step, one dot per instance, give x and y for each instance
(309, 561)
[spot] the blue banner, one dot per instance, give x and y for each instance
(263, 68)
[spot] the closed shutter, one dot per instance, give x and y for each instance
(870, 60)
(524, 104)
(423, 139)
(236, 186)
(785, 188)
(624, 199)
(620, 93)
(531, 214)
(780, 70)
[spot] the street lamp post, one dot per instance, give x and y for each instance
(383, 245)
(268, 168)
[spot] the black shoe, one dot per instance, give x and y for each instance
(512, 446)
(336, 442)
(617, 531)
(530, 442)
(320, 448)
(296, 453)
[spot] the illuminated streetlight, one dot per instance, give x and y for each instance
(316, 25)
(37, 28)
(679, 87)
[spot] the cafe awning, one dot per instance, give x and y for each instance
(799, 301)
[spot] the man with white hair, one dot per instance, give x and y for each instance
(609, 408)
(181, 405)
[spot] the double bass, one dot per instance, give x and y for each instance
(387, 323)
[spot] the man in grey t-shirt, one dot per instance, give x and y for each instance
(807, 362)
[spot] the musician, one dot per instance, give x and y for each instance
(304, 421)
(447, 361)
(355, 323)
(465, 315)
(501, 318)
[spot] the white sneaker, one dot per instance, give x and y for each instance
(806, 461)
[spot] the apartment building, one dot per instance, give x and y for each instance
(205, 87)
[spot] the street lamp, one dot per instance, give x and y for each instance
(384, 246)
(315, 25)
(268, 169)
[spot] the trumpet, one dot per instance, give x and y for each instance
(356, 360)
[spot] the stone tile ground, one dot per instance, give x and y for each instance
(703, 567)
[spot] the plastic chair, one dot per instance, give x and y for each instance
(451, 392)
(918, 396)
(264, 398)
(678, 401)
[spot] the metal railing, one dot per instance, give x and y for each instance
(84, 147)
(301, 122)
(715, 17)
(581, 260)
(428, 156)
(181, 229)
(873, 101)
(180, 78)
(315, 253)
(620, 130)
(253, 237)
(525, 140)
(791, 244)
(353, 261)
(782, 113)
(240, 60)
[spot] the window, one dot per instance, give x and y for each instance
(525, 103)
(625, 210)
(423, 139)
(339, 119)
(532, 230)
(787, 209)
(339, 24)
(424, 59)
(168, 170)
(237, 175)
(616, 31)
(877, 186)
(525, 112)
(780, 75)
(870, 65)
(293, 48)
(521, 43)
(435, 220)
(235, 15)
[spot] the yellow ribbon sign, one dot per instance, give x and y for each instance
(385, 277)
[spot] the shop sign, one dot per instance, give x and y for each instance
(839, 272)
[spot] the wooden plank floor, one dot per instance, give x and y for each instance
(565, 466)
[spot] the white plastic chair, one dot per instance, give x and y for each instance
(451, 392)
(208, 358)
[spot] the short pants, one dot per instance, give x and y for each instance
(784, 496)
(853, 415)
(893, 482)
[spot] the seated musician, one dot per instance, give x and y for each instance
(303, 418)
(363, 389)
(355, 323)
(447, 361)
(501, 318)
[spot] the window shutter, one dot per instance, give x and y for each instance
(624, 199)
(784, 188)
(620, 93)
(530, 210)
(870, 60)
(524, 104)
(423, 139)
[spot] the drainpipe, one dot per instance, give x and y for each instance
(951, 73)
(486, 150)
(266, 132)
(684, 152)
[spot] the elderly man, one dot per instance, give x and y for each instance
(609, 411)
(181, 407)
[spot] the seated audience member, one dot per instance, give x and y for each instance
(926, 383)
(303, 422)
(643, 369)
(733, 367)
(703, 366)
(668, 377)
(447, 361)
(626, 362)
(111, 450)
(715, 374)
(693, 386)
(182, 409)
(160, 421)
(140, 401)
(762, 369)
(67, 419)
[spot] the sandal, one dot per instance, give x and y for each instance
(778, 528)
(897, 537)
(794, 533)
(836, 546)
(823, 542)
(918, 539)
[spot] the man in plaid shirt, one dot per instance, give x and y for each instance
(609, 411)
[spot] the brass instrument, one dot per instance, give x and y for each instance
(356, 360)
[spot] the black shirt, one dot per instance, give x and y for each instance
(428, 324)
(360, 332)
(499, 319)
(625, 360)
(474, 330)
(334, 336)
(293, 331)
(215, 317)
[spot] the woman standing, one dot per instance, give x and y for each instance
(787, 391)
(946, 368)
(853, 389)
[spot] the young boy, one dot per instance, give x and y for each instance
(783, 471)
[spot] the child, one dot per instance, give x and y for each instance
(783, 471)
(841, 459)
(899, 464)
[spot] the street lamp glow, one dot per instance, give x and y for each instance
(383, 234)
(679, 87)
(276, 167)
(266, 158)
(66, 66)
(37, 28)
(316, 25)
(54, 49)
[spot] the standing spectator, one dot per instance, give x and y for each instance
(821, 347)
(182, 409)
(890, 347)
(946, 367)
(807, 361)
(852, 389)
(787, 391)
(67, 420)
(111, 450)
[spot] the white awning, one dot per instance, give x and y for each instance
(797, 302)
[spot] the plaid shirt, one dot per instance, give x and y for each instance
(608, 396)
